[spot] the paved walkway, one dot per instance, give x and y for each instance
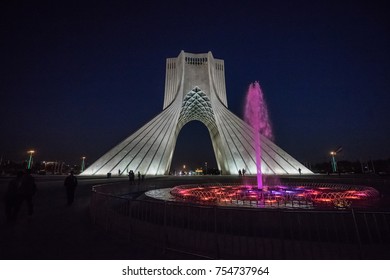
(58, 231)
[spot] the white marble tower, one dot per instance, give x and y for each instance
(194, 90)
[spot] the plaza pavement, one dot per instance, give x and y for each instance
(57, 231)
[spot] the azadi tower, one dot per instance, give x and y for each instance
(194, 90)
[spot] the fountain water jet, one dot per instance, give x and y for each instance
(256, 115)
(270, 194)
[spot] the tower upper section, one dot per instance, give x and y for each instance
(189, 70)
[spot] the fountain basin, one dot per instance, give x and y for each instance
(308, 196)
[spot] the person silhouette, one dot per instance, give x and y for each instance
(27, 190)
(70, 184)
(300, 171)
(131, 177)
(11, 197)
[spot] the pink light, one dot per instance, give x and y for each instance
(323, 199)
(352, 197)
(314, 192)
(287, 194)
(256, 115)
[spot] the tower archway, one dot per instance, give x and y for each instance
(193, 149)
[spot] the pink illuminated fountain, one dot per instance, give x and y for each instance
(256, 115)
(269, 195)
(292, 195)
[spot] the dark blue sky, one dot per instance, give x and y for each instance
(78, 77)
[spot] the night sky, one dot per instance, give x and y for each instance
(79, 77)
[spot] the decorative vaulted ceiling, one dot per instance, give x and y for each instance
(197, 106)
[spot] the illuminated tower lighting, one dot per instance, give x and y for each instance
(195, 90)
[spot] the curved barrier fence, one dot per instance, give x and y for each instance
(244, 233)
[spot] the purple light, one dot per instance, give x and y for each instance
(256, 115)
(275, 196)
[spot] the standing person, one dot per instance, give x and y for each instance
(131, 177)
(27, 190)
(70, 185)
(139, 177)
(300, 171)
(11, 197)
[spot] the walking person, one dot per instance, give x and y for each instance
(11, 197)
(70, 185)
(27, 190)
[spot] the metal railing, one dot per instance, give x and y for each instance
(245, 233)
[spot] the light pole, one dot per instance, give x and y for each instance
(31, 152)
(83, 164)
(333, 161)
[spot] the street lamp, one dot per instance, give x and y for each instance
(333, 161)
(83, 164)
(31, 152)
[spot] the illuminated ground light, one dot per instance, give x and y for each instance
(278, 196)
